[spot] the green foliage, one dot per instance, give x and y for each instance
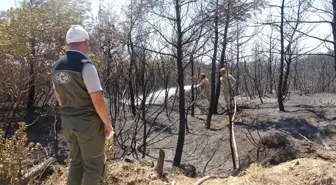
(34, 34)
(63, 50)
(94, 59)
(42, 26)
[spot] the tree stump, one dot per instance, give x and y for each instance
(160, 163)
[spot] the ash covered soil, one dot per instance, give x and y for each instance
(264, 135)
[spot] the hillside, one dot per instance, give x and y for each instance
(269, 144)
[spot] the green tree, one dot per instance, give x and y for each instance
(32, 37)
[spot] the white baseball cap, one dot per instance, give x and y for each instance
(76, 33)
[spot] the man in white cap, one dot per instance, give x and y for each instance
(85, 119)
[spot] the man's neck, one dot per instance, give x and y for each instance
(76, 50)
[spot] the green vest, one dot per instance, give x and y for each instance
(78, 111)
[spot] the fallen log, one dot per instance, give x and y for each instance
(33, 172)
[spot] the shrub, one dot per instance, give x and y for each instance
(13, 152)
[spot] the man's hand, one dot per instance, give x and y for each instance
(107, 128)
(109, 133)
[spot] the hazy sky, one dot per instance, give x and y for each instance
(6, 4)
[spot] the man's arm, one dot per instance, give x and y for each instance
(201, 84)
(100, 106)
(92, 83)
(58, 98)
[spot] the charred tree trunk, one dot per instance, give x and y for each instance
(323, 77)
(333, 26)
(31, 82)
(238, 62)
(257, 82)
(179, 58)
(132, 63)
(285, 83)
(192, 86)
(57, 128)
(223, 53)
(296, 76)
(282, 53)
(270, 77)
(31, 93)
(214, 99)
(143, 104)
(246, 86)
(130, 86)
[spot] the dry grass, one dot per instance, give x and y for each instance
(303, 171)
(142, 173)
(123, 173)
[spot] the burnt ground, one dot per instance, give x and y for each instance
(263, 134)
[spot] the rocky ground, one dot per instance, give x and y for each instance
(264, 136)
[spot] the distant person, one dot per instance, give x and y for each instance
(227, 84)
(205, 86)
(84, 114)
